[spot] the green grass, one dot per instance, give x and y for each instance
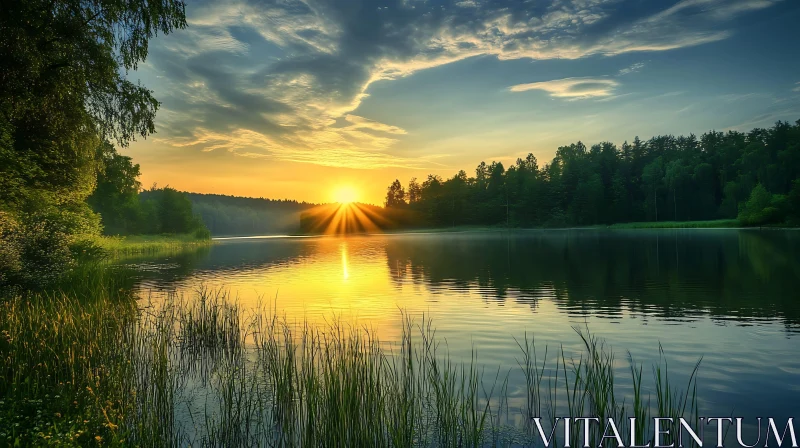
(720, 223)
(86, 366)
(149, 244)
(64, 361)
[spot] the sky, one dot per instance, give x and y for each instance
(299, 99)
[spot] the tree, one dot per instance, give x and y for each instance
(62, 89)
(116, 197)
(652, 177)
(793, 203)
(587, 201)
(168, 210)
(63, 95)
(704, 205)
(762, 207)
(665, 177)
(395, 195)
(620, 199)
(676, 177)
(414, 191)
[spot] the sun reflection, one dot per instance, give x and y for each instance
(344, 262)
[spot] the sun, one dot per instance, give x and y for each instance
(345, 194)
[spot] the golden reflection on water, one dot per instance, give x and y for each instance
(350, 280)
(694, 291)
(344, 261)
(324, 282)
(483, 291)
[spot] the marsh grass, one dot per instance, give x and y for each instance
(210, 324)
(101, 368)
(61, 356)
(131, 245)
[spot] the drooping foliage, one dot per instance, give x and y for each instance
(64, 95)
(753, 176)
(63, 89)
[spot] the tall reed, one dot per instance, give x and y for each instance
(102, 368)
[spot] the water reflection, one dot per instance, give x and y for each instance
(728, 296)
(344, 261)
(742, 276)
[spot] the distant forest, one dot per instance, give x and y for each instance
(233, 215)
(753, 177)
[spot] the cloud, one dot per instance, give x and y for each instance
(796, 89)
(733, 97)
(632, 69)
(364, 123)
(279, 77)
(572, 88)
(336, 149)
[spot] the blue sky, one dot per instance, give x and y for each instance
(292, 98)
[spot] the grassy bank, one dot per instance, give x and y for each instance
(64, 374)
(89, 368)
(150, 244)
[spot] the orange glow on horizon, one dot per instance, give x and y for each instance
(341, 219)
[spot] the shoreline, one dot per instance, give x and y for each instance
(665, 225)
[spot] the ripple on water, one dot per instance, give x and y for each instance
(698, 294)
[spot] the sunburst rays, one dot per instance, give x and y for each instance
(340, 219)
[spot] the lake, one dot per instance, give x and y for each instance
(728, 296)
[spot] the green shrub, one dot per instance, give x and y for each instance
(763, 208)
(202, 233)
(793, 203)
(40, 245)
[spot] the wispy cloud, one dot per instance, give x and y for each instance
(732, 97)
(278, 77)
(797, 87)
(364, 123)
(572, 88)
(336, 149)
(633, 68)
(615, 97)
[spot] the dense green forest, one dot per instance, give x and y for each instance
(65, 105)
(234, 215)
(126, 209)
(753, 176)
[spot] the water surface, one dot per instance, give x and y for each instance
(728, 296)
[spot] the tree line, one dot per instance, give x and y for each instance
(750, 176)
(126, 209)
(234, 215)
(747, 274)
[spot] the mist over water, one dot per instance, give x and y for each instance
(728, 296)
